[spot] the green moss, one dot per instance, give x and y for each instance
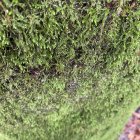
(68, 70)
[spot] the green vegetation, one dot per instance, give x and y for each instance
(69, 69)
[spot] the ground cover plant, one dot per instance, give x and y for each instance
(69, 69)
